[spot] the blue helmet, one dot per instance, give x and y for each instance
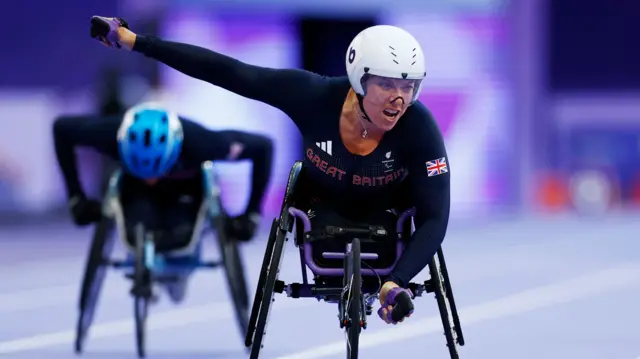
(149, 140)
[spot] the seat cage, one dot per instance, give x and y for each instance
(292, 217)
(210, 207)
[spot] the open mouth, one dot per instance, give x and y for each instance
(391, 113)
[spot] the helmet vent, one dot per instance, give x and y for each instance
(132, 136)
(392, 48)
(147, 138)
(396, 62)
(404, 75)
(163, 139)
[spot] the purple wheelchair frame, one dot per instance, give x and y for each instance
(326, 287)
(306, 250)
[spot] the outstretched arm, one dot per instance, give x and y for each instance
(280, 88)
(70, 132)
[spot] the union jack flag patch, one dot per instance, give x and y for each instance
(437, 167)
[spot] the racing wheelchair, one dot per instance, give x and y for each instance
(146, 266)
(339, 276)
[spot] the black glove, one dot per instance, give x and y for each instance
(85, 211)
(105, 29)
(243, 227)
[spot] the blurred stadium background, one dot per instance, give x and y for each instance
(539, 101)
(538, 106)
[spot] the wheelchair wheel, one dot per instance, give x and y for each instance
(441, 299)
(353, 281)
(142, 291)
(257, 299)
(95, 272)
(234, 273)
(452, 303)
(268, 290)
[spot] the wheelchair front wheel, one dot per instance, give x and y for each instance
(445, 315)
(234, 273)
(141, 291)
(95, 272)
(353, 279)
(268, 291)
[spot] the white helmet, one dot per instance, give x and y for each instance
(387, 51)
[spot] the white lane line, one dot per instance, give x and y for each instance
(561, 292)
(163, 320)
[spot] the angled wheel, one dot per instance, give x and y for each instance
(353, 281)
(257, 299)
(141, 290)
(445, 315)
(234, 274)
(268, 290)
(449, 294)
(95, 272)
(229, 251)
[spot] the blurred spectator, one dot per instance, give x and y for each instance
(110, 103)
(110, 99)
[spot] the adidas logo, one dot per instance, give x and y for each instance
(325, 146)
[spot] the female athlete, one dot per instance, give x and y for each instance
(369, 144)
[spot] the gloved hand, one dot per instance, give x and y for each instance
(395, 303)
(85, 211)
(105, 30)
(243, 227)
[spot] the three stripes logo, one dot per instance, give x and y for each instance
(325, 146)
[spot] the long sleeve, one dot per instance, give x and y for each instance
(286, 89)
(70, 132)
(429, 184)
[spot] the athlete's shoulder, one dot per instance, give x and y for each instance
(189, 123)
(423, 128)
(318, 104)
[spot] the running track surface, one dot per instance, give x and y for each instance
(526, 288)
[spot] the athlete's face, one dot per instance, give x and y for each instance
(387, 99)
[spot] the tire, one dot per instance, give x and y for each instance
(450, 298)
(267, 292)
(95, 272)
(441, 299)
(262, 279)
(352, 261)
(234, 274)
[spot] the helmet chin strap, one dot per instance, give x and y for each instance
(361, 104)
(363, 114)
